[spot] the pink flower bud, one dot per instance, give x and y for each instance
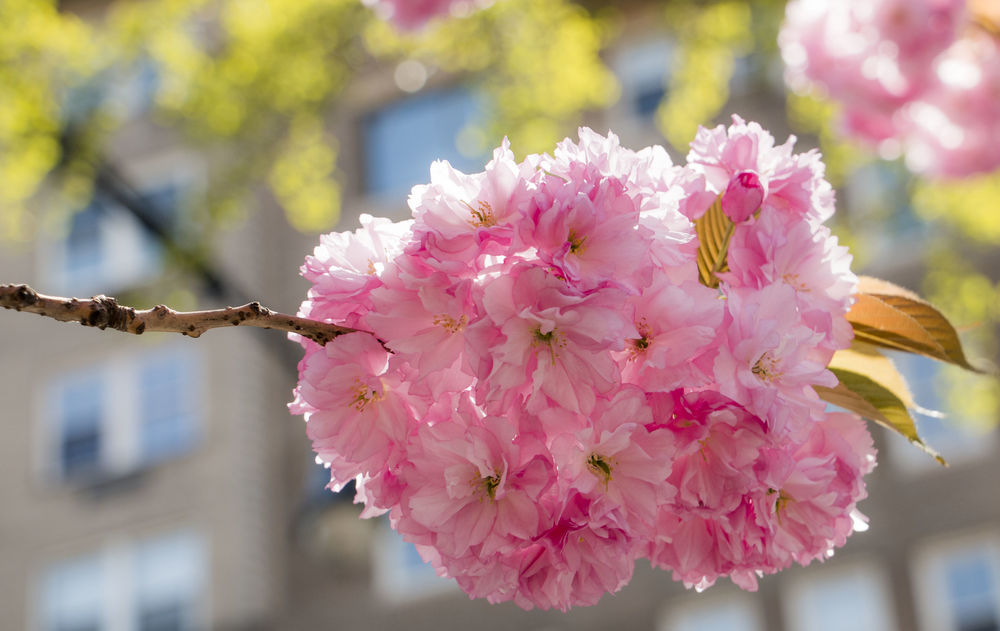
(743, 196)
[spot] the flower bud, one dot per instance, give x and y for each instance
(743, 196)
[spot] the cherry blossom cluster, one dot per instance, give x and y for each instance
(918, 76)
(411, 15)
(550, 390)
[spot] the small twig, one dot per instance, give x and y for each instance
(105, 313)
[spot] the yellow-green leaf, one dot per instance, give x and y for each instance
(866, 360)
(714, 230)
(862, 394)
(889, 316)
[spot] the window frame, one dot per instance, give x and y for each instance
(681, 612)
(122, 419)
(794, 612)
(118, 577)
(927, 576)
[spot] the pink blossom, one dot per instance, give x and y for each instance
(411, 15)
(575, 562)
(677, 327)
(742, 197)
(812, 507)
(588, 230)
(474, 487)
(615, 464)
(954, 130)
(460, 217)
(777, 250)
(771, 358)
(422, 315)
(791, 183)
(872, 56)
(549, 343)
(345, 267)
(547, 392)
(355, 406)
(917, 75)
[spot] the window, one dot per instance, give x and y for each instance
(72, 594)
(105, 248)
(402, 140)
(84, 253)
(954, 440)
(81, 407)
(958, 585)
(399, 572)
(712, 613)
(837, 598)
(156, 584)
(168, 416)
(643, 70)
(169, 578)
(121, 415)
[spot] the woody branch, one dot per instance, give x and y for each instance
(104, 312)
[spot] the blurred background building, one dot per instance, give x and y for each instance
(158, 483)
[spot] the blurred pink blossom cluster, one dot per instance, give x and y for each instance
(550, 393)
(411, 15)
(917, 76)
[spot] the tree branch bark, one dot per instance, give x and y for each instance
(104, 312)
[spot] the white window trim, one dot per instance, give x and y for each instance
(925, 572)
(121, 446)
(797, 618)
(126, 264)
(117, 555)
(676, 610)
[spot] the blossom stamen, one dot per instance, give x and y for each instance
(766, 368)
(793, 280)
(639, 345)
(550, 339)
(449, 323)
(482, 216)
(363, 395)
(488, 485)
(600, 467)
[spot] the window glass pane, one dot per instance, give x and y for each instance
(72, 596)
(167, 399)
(170, 573)
(834, 600)
(163, 617)
(643, 69)
(84, 245)
(80, 413)
(972, 592)
(403, 139)
(727, 615)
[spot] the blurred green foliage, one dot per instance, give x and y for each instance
(256, 81)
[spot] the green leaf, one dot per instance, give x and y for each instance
(889, 316)
(714, 230)
(871, 386)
